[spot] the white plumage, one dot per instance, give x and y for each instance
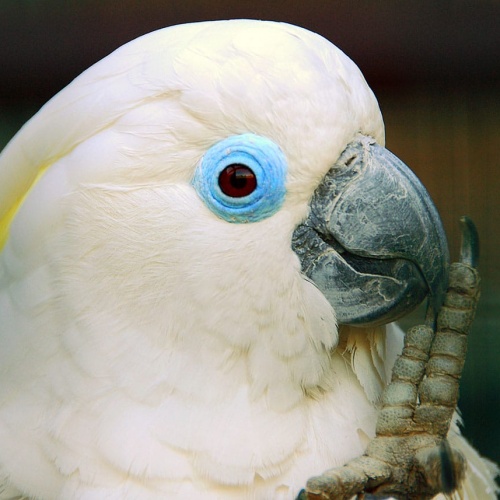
(150, 349)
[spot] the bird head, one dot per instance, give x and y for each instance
(217, 153)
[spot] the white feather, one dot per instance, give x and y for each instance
(148, 348)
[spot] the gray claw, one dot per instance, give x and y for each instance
(410, 456)
(469, 251)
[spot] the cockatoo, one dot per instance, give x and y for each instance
(202, 238)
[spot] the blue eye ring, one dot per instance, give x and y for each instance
(252, 154)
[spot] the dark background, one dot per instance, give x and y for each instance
(434, 66)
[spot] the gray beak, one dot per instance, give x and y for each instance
(373, 242)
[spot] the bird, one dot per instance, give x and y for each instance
(204, 248)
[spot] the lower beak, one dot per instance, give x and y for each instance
(373, 242)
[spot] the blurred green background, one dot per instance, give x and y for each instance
(434, 66)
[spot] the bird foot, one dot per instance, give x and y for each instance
(410, 456)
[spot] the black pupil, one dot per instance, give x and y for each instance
(239, 177)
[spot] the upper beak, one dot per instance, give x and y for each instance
(373, 242)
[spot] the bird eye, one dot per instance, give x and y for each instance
(237, 181)
(242, 178)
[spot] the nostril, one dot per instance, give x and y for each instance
(350, 160)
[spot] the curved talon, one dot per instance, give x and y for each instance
(442, 467)
(469, 250)
(452, 467)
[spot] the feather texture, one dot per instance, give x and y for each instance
(148, 348)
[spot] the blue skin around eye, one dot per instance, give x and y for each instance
(263, 157)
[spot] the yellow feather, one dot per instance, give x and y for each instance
(7, 219)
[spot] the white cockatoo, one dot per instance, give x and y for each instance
(202, 236)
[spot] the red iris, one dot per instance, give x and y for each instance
(237, 180)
